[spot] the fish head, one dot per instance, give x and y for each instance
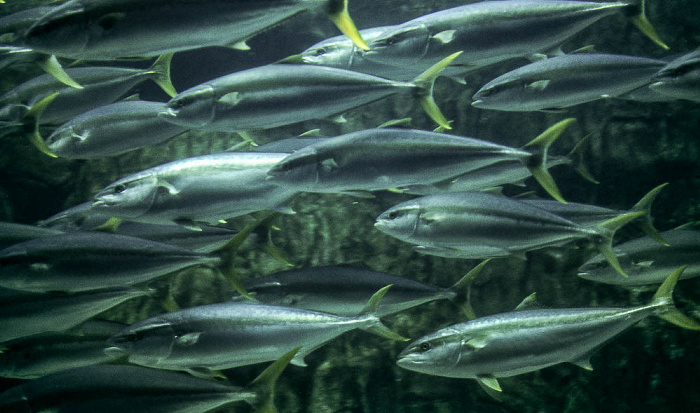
(64, 141)
(64, 31)
(436, 353)
(195, 107)
(400, 46)
(679, 79)
(400, 221)
(128, 197)
(499, 95)
(146, 343)
(334, 54)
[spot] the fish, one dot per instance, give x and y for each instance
(13, 233)
(345, 290)
(107, 29)
(43, 354)
(275, 95)
(112, 130)
(565, 81)
(116, 389)
(83, 261)
(646, 261)
(386, 158)
(680, 78)
(492, 31)
(592, 215)
(24, 314)
(101, 86)
(483, 225)
(225, 335)
(507, 172)
(340, 52)
(518, 342)
(202, 189)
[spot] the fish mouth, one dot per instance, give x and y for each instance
(477, 103)
(115, 352)
(98, 204)
(168, 113)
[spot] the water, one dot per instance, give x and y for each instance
(635, 146)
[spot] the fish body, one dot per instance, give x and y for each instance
(12, 233)
(489, 31)
(111, 130)
(44, 354)
(646, 261)
(680, 79)
(275, 95)
(564, 81)
(206, 188)
(231, 334)
(105, 29)
(101, 86)
(342, 290)
(117, 389)
(26, 314)
(12, 26)
(384, 158)
(84, 261)
(508, 344)
(478, 225)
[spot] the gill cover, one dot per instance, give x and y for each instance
(405, 45)
(128, 199)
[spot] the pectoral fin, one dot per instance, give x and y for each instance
(490, 382)
(584, 362)
(445, 37)
(188, 339)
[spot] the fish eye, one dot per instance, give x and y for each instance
(393, 214)
(425, 346)
(118, 189)
(320, 51)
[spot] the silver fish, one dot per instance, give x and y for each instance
(482, 225)
(117, 389)
(680, 79)
(106, 29)
(12, 233)
(275, 95)
(44, 354)
(564, 81)
(385, 158)
(345, 290)
(493, 31)
(231, 334)
(101, 86)
(26, 314)
(82, 261)
(206, 188)
(508, 344)
(592, 215)
(646, 261)
(112, 130)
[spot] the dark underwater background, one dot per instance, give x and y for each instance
(652, 367)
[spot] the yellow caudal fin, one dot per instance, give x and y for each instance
(667, 309)
(425, 82)
(338, 13)
(637, 15)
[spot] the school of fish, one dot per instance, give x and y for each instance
(124, 241)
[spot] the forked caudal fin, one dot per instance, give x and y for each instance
(462, 290)
(31, 124)
(607, 230)
(161, 68)
(425, 82)
(337, 11)
(264, 384)
(644, 205)
(637, 15)
(537, 163)
(375, 325)
(664, 300)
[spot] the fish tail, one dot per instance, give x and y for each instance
(462, 290)
(663, 300)
(373, 324)
(644, 205)
(425, 82)
(31, 124)
(607, 230)
(161, 68)
(337, 10)
(52, 66)
(537, 162)
(575, 159)
(264, 384)
(637, 15)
